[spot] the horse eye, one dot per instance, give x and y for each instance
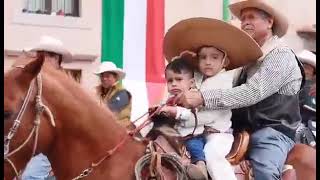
(7, 114)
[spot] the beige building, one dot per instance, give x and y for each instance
(299, 14)
(81, 35)
(80, 27)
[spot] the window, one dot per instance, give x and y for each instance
(53, 7)
(75, 73)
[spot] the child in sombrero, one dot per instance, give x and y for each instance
(216, 47)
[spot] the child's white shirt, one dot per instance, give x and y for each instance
(218, 119)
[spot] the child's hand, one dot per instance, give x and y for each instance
(190, 99)
(152, 109)
(169, 111)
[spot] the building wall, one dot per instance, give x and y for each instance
(299, 13)
(8, 62)
(82, 36)
(177, 10)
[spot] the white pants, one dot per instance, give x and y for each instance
(218, 145)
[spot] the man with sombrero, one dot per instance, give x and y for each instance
(265, 100)
(307, 100)
(211, 41)
(112, 94)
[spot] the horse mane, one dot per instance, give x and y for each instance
(84, 130)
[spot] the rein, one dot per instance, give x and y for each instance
(40, 107)
(110, 152)
(86, 172)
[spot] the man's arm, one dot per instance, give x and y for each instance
(277, 69)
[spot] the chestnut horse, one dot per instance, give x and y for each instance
(75, 131)
(82, 134)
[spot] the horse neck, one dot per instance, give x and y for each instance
(84, 130)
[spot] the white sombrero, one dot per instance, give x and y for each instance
(307, 57)
(281, 23)
(108, 66)
(190, 34)
(50, 44)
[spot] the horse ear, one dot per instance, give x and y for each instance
(32, 69)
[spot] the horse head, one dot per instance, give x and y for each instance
(72, 125)
(20, 126)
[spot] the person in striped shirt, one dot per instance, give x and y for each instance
(265, 98)
(208, 44)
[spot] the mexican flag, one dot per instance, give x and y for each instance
(132, 36)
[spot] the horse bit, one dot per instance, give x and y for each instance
(40, 107)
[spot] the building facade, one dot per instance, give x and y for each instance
(79, 24)
(82, 35)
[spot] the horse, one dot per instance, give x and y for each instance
(80, 138)
(83, 132)
(303, 158)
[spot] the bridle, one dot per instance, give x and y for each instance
(39, 107)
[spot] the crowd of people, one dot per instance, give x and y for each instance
(257, 84)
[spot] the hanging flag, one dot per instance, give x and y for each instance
(132, 35)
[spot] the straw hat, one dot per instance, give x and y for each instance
(190, 34)
(307, 57)
(50, 44)
(108, 66)
(306, 31)
(281, 23)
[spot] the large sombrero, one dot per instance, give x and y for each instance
(281, 23)
(190, 34)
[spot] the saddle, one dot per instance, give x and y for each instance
(167, 140)
(236, 154)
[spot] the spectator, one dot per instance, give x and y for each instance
(112, 94)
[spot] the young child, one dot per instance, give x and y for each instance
(213, 42)
(218, 137)
(179, 78)
(211, 63)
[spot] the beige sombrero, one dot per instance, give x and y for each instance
(307, 30)
(109, 66)
(281, 23)
(50, 44)
(190, 34)
(308, 57)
